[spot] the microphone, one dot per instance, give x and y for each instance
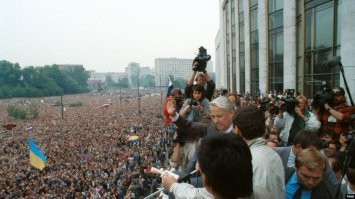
(333, 62)
(187, 176)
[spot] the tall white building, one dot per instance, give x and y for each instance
(164, 67)
(284, 44)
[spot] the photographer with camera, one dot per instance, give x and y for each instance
(336, 114)
(200, 75)
(293, 117)
(196, 107)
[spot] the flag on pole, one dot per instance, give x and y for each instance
(165, 111)
(37, 158)
(170, 87)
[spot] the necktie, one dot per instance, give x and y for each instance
(298, 193)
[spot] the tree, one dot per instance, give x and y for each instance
(109, 81)
(40, 81)
(178, 82)
(147, 81)
(10, 73)
(123, 83)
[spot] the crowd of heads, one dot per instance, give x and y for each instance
(88, 152)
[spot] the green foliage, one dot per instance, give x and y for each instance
(109, 81)
(147, 81)
(179, 83)
(34, 112)
(16, 112)
(76, 104)
(122, 83)
(40, 81)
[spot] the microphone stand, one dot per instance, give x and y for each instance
(345, 82)
(351, 147)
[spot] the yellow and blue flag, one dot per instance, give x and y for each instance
(37, 158)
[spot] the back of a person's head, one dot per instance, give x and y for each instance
(250, 121)
(307, 139)
(225, 160)
(176, 92)
(310, 158)
(223, 103)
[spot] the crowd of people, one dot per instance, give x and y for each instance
(88, 152)
(290, 146)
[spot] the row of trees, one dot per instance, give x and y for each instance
(40, 81)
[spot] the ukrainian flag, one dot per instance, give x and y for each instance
(37, 158)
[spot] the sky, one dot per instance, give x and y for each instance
(105, 35)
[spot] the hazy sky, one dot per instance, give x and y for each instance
(105, 35)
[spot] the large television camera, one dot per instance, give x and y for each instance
(201, 59)
(321, 97)
(289, 102)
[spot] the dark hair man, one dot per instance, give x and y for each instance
(224, 161)
(337, 116)
(249, 123)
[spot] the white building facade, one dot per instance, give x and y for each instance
(285, 44)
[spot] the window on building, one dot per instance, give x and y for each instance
(322, 43)
(234, 58)
(254, 47)
(241, 47)
(226, 11)
(275, 70)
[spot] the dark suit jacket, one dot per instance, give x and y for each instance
(193, 130)
(321, 191)
(328, 176)
(284, 153)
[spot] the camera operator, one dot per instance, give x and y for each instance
(200, 75)
(295, 118)
(336, 115)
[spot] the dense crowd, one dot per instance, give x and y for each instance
(88, 152)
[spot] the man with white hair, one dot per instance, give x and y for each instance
(221, 111)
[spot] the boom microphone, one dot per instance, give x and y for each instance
(333, 62)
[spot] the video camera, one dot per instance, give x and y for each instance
(321, 97)
(193, 102)
(289, 100)
(201, 59)
(179, 99)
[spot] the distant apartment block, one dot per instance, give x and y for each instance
(164, 67)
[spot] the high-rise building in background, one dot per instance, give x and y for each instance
(133, 71)
(284, 44)
(164, 67)
(177, 67)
